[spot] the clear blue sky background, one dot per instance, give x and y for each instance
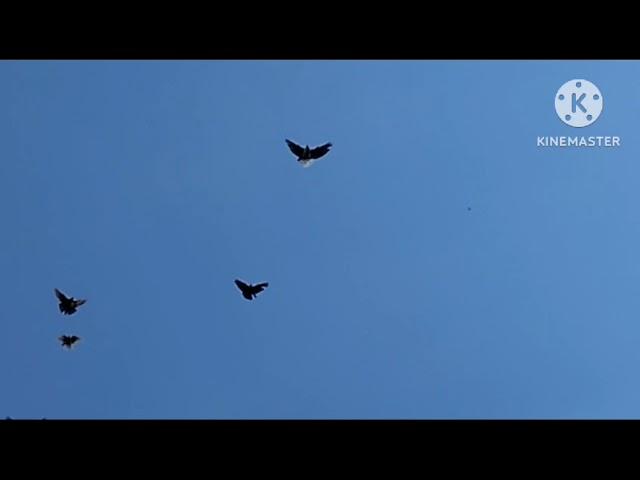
(148, 187)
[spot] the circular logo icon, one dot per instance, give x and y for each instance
(579, 103)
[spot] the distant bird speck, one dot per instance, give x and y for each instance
(68, 341)
(68, 306)
(250, 291)
(307, 156)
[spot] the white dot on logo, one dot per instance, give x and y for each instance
(578, 103)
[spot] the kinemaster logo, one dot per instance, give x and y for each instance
(579, 103)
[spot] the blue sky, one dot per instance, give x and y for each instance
(148, 187)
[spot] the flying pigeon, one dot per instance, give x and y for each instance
(68, 341)
(250, 291)
(307, 156)
(68, 306)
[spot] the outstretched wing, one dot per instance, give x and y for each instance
(297, 150)
(242, 286)
(80, 302)
(261, 286)
(74, 339)
(60, 295)
(320, 151)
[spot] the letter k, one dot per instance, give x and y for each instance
(577, 103)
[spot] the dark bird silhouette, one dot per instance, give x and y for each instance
(68, 306)
(68, 341)
(250, 291)
(307, 155)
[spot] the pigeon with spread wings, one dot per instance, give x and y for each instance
(250, 291)
(68, 341)
(68, 306)
(306, 156)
